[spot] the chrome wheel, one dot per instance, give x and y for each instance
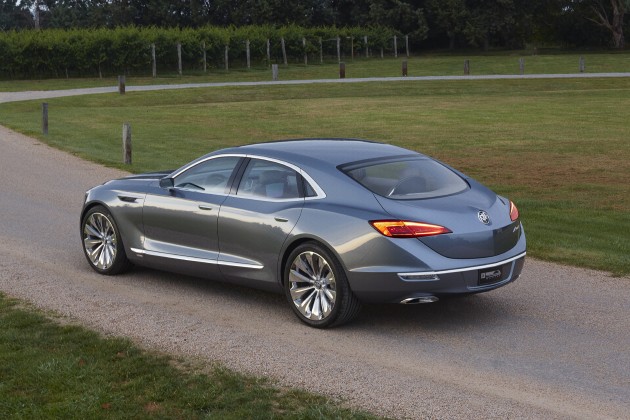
(100, 241)
(313, 288)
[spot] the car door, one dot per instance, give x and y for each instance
(180, 222)
(255, 221)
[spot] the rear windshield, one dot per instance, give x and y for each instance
(408, 179)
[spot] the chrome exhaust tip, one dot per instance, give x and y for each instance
(419, 299)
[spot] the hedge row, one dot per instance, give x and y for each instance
(126, 50)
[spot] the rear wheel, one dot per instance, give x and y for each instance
(317, 288)
(102, 244)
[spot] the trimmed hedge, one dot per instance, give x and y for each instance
(126, 50)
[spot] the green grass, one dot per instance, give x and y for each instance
(427, 64)
(52, 371)
(558, 148)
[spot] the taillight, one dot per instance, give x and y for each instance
(406, 229)
(513, 211)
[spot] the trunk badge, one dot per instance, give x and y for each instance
(483, 217)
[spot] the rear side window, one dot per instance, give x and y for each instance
(265, 179)
(408, 179)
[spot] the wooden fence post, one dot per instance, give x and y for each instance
(352, 48)
(407, 44)
(45, 118)
(121, 84)
(321, 51)
(179, 58)
(582, 65)
(404, 68)
(227, 65)
(466, 67)
(395, 47)
(382, 55)
(154, 67)
(247, 53)
(305, 53)
(274, 72)
(521, 65)
(284, 51)
(342, 70)
(205, 57)
(126, 143)
(367, 50)
(338, 49)
(268, 51)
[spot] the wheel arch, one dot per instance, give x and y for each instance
(296, 242)
(90, 205)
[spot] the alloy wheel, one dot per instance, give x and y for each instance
(99, 241)
(313, 287)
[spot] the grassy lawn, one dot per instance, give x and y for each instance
(53, 371)
(558, 148)
(427, 64)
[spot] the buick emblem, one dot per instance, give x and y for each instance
(483, 217)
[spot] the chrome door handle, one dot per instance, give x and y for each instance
(202, 207)
(281, 219)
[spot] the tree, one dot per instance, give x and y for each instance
(400, 15)
(14, 16)
(488, 19)
(611, 17)
(448, 16)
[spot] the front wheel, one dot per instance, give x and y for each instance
(317, 288)
(102, 244)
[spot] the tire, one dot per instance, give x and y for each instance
(317, 288)
(102, 244)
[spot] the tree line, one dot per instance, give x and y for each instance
(429, 23)
(133, 50)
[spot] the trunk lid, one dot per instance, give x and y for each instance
(462, 213)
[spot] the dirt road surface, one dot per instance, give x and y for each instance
(47, 94)
(555, 344)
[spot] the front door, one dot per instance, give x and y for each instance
(180, 223)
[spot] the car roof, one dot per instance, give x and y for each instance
(330, 151)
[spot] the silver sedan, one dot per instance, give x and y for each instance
(331, 222)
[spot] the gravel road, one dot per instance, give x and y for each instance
(555, 344)
(46, 94)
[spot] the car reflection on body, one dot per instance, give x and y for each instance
(331, 222)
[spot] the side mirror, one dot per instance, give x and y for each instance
(167, 183)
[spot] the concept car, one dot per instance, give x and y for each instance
(331, 222)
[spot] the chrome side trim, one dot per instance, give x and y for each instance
(243, 265)
(194, 259)
(459, 270)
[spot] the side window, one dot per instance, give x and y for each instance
(210, 176)
(270, 180)
(308, 190)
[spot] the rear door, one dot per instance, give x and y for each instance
(256, 219)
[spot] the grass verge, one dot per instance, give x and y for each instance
(52, 371)
(428, 64)
(558, 148)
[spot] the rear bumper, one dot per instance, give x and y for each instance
(391, 287)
